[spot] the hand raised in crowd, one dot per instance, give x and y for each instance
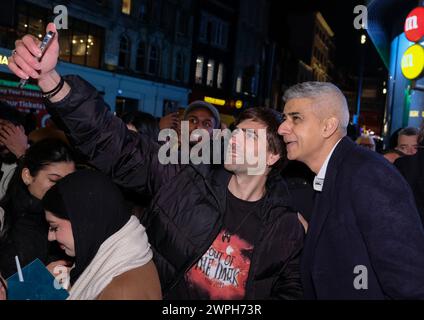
(25, 62)
(13, 138)
(169, 121)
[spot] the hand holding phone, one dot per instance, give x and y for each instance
(34, 58)
(43, 46)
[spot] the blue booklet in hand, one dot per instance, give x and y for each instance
(38, 284)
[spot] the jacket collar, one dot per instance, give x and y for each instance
(320, 177)
(277, 194)
(346, 145)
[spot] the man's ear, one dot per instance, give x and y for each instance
(330, 127)
(272, 159)
(26, 176)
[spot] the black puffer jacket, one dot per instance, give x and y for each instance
(189, 202)
(187, 215)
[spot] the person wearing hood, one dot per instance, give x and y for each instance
(90, 222)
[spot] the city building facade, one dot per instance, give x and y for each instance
(135, 52)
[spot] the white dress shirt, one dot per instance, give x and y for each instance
(320, 177)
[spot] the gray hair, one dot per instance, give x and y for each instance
(328, 98)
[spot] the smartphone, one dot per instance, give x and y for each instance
(43, 46)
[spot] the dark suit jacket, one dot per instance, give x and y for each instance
(365, 216)
(412, 169)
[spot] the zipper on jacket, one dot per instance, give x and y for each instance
(249, 281)
(215, 234)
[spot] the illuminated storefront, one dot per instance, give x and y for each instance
(396, 28)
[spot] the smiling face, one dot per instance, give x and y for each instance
(46, 177)
(60, 230)
(302, 130)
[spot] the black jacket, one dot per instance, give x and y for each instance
(189, 202)
(24, 233)
(412, 169)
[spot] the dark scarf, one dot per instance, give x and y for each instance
(95, 208)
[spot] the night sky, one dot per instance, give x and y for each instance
(339, 15)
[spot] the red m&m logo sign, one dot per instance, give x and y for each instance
(414, 25)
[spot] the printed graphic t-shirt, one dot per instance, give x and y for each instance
(221, 273)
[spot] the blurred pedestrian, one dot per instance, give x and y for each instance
(408, 141)
(366, 141)
(412, 169)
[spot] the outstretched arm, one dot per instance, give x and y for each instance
(131, 160)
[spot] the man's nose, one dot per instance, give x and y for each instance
(284, 128)
(193, 126)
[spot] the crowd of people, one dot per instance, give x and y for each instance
(328, 218)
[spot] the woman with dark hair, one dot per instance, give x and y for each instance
(89, 220)
(23, 229)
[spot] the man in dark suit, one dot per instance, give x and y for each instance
(365, 238)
